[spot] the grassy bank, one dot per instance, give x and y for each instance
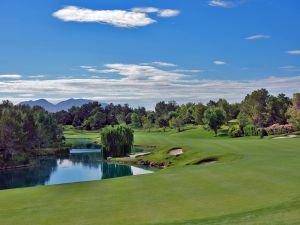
(255, 181)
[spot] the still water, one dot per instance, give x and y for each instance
(83, 164)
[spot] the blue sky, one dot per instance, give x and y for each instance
(143, 51)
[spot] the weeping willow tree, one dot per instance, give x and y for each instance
(116, 141)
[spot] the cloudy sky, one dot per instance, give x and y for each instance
(144, 51)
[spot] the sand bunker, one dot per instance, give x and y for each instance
(206, 161)
(289, 136)
(141, 154)
(176, 152)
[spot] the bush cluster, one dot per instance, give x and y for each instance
(250, 130)
(277, 129)
(235, 131)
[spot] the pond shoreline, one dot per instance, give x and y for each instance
(35, 154)
(15, 167)
(142, 163)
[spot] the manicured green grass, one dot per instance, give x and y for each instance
(256, 181)
(72, 135)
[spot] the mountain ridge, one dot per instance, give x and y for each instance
(63, 105)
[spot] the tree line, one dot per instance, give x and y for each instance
(23, 129)
(258, 109)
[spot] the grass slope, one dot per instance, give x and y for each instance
(255, 182)
(73, 135)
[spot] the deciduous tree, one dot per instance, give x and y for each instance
(214, 118)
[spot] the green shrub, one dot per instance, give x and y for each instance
(233, 122)
(296, 133)
(250, 130)
(223, 131)
(262, 132)
(235, 131)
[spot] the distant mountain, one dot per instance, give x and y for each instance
(41, 102)
(64, 105)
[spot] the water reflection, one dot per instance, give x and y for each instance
(85, 145)
(73, 168)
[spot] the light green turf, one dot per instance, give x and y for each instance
(256, 182)
(74, 135)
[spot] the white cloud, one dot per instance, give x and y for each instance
(87, 67)
(168, 13)
(165, 64)
(37, 76)
(142, 71)
(160, 12)
(118, 18)
(294, 52)
(146, 92)
(145, 10)
(218, 62)
(10, 76)
(143, 85)
(287, 67)
(136, 17)
(139, 72)
(94, 70)
(290, 68)
(258, 36)
(220, 3)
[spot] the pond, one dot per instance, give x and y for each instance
(83, 164)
